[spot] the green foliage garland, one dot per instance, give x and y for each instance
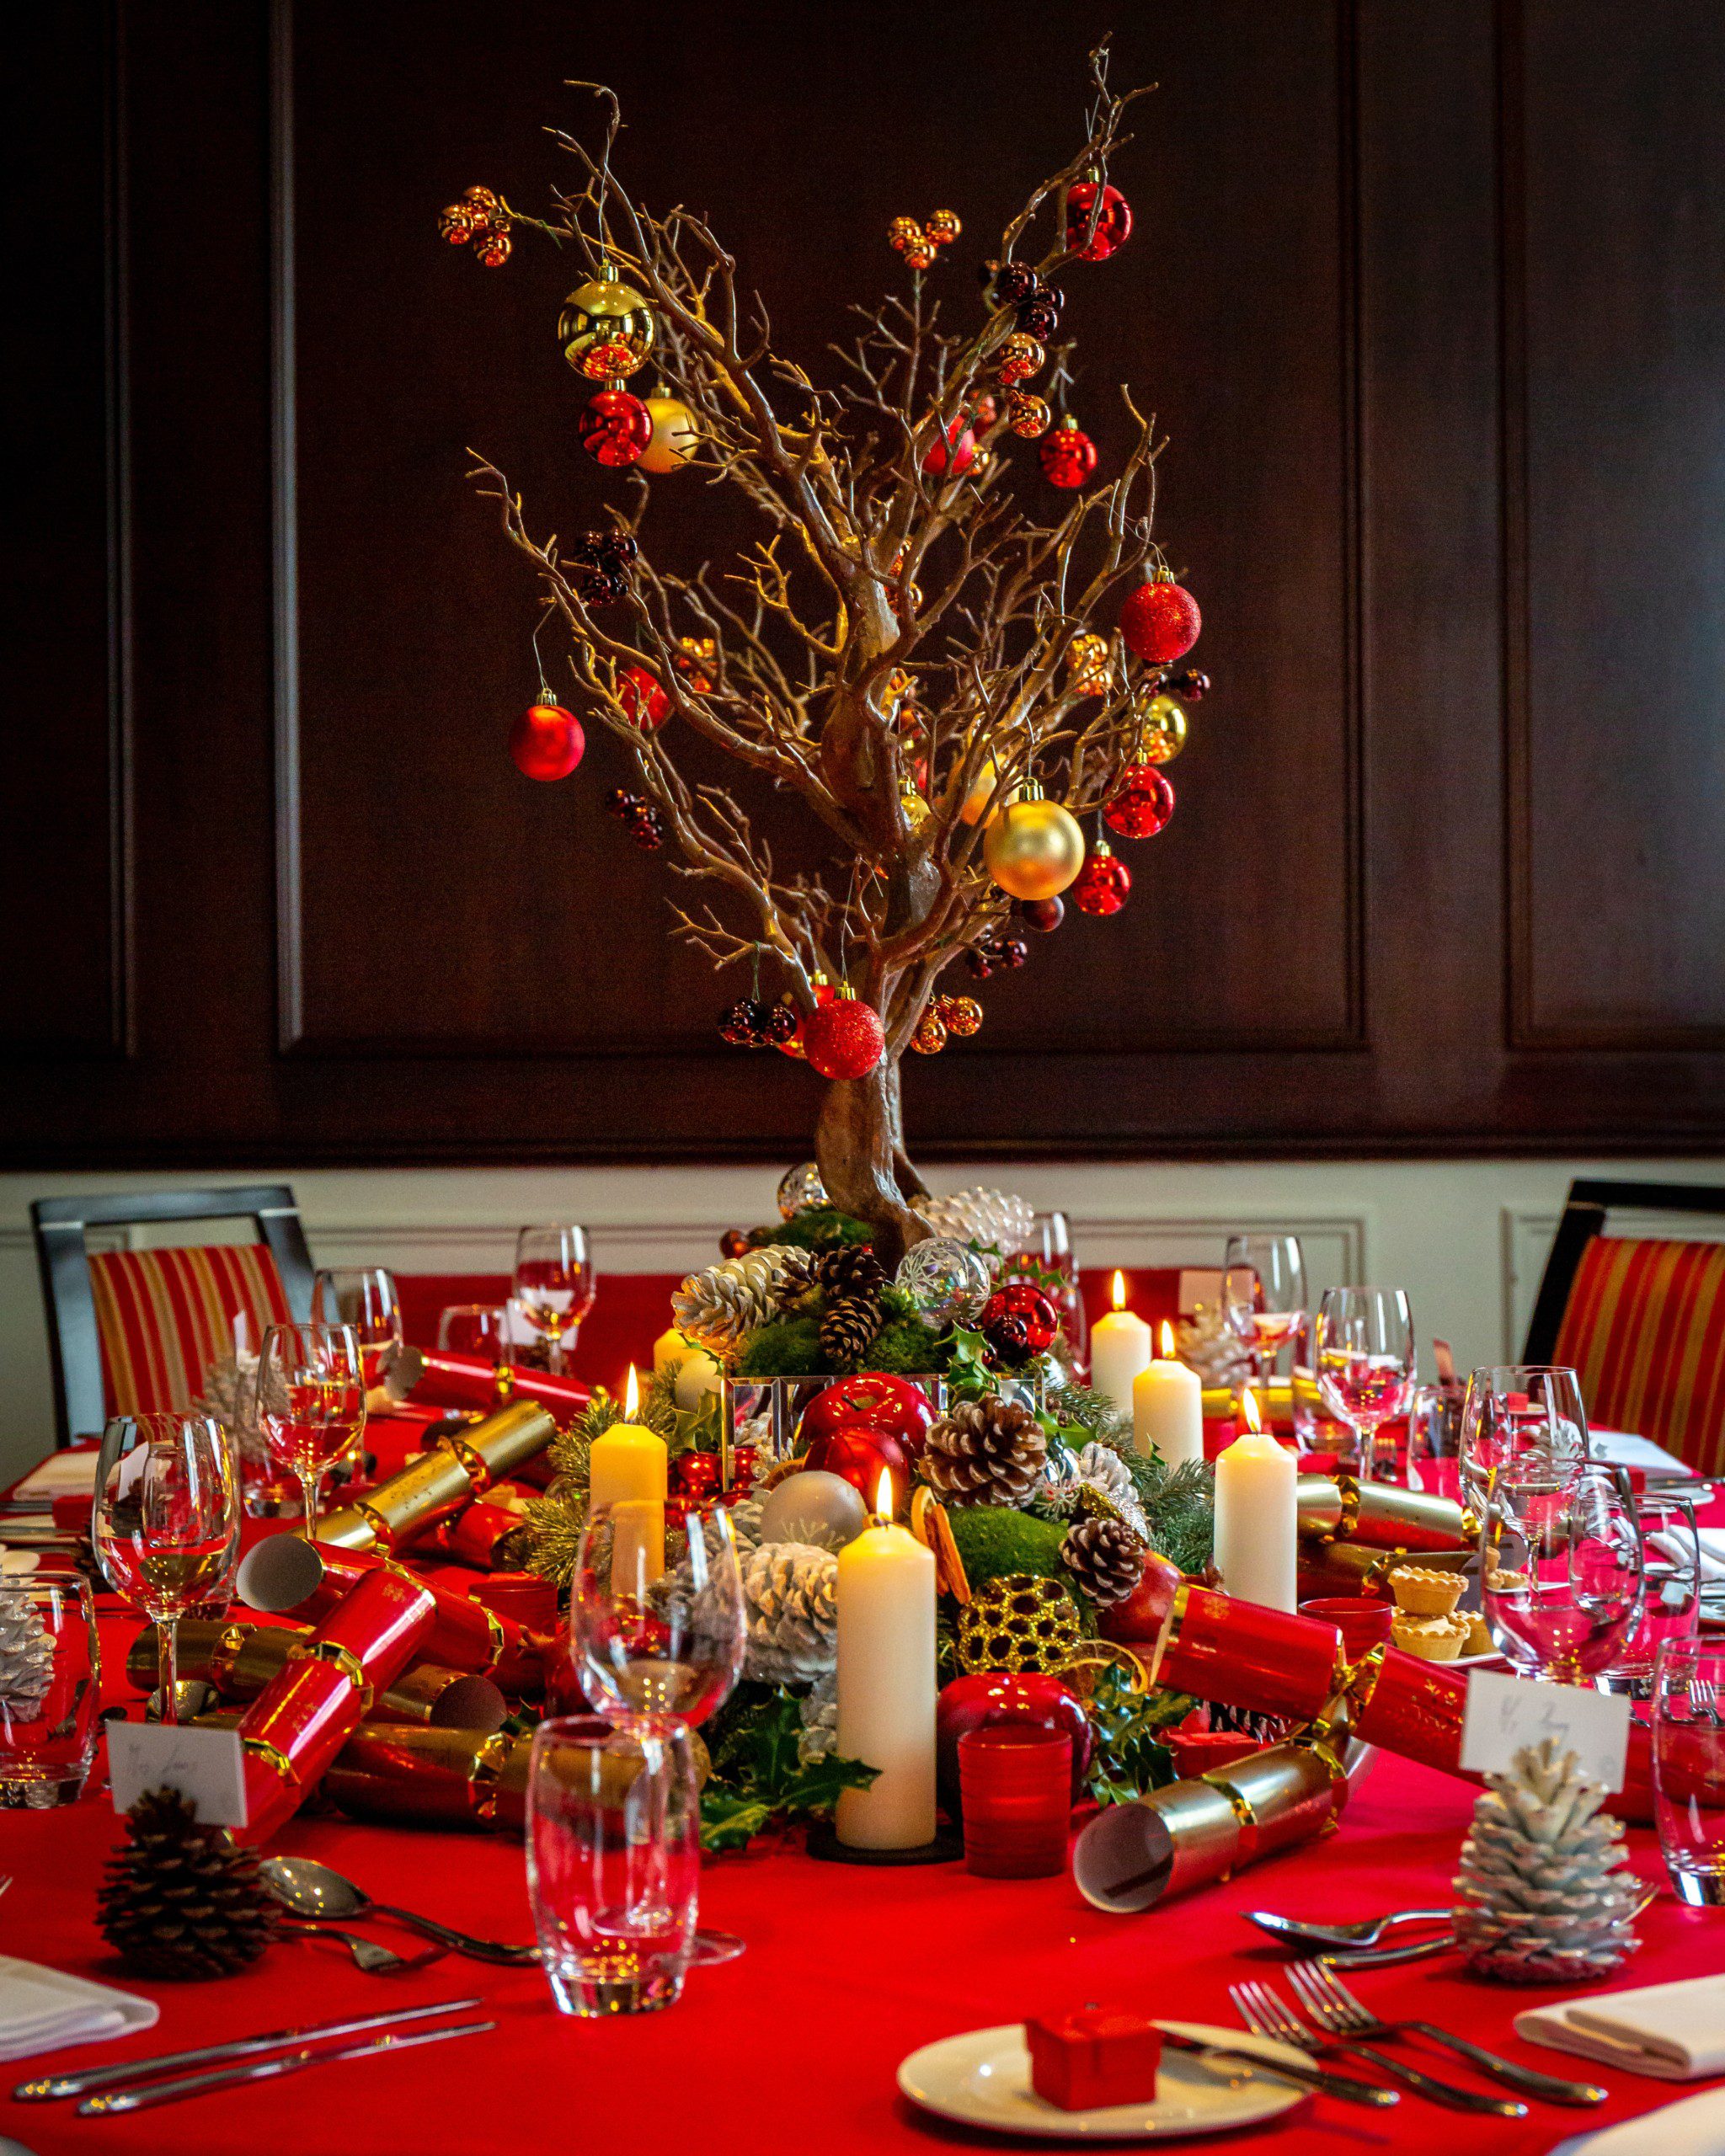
(759, 1778)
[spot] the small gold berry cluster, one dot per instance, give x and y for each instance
(481, 218)
(920, 243)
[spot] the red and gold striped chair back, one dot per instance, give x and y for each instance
(1645, 1328)
(164, 1316)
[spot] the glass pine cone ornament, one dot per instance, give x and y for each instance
(616, 429)
(644, 702)
(1067, 455)
(1113, 221)
(1160, 622)
(1102, 883)
(1028, 416)
(547, 742)
(1034, 847)
(946, 1283)
(674, 438)
(1163, 724)
(844, 1038)
(800, 1188)
(607, 328)
(1089, 669)
(1141, 804)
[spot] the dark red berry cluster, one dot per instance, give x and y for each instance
(752, 1023)
(639, 817)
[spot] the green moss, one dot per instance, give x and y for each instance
(904, 1344)
(820, 1227)
(993, 1539)
(789, 1349)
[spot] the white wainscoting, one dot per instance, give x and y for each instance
(1466, 1238)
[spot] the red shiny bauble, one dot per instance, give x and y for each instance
(1114, 222)
(992, 1697)
(1144, 1612)
(644, 703)
(844, 1040)
(791, 1043)
(696, 1476)
(1160, 622)
(732, 1243)
(1141, 804)
(1068, 454)
(1044, 914)
(547, 741)
(873, 1399)
(616, 428)
(1034, 1311)
(1102, 883)
(860, 1454)
(957, 437)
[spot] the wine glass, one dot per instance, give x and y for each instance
(473, 1329)
(1689, 1768)
(553, 1283)
(364, 1297)
(1264, 1294)
(1362, 1356)
(1671, 1609)
(654, 1648)
(1048, 1261)
(166, 1524)
(1515, 1408)
(311, 1402)
(1563, 1569)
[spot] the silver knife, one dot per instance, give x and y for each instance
(106, 2077)
(1320, 2078)
(263, 2070)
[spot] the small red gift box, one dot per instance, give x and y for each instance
(1094, 2057)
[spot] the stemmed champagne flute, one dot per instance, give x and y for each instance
(166, 1524)
(553, 1283)
(311, 1402)
(364, 1297)
(1363, 1356)
(1264, 1295)
(1562, 1568)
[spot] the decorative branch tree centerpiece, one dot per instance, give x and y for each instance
(949, 680)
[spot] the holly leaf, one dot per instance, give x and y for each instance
(758, 1780)
(968, 1373)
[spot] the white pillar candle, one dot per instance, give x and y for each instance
(886, 1687)
(1119, 1348)
(629, 1464)
(1256, 1516)
(1168, 1407)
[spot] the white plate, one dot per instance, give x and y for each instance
(983, 2079)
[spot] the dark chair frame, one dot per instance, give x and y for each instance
(1583, 1217)
(74, 1343)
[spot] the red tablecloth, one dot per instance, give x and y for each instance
(796, 2044)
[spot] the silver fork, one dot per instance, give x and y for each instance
(370, 1955)
(1333, 2006)
(1266, 2013)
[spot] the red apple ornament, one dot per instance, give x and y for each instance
(1140, 1617)
(876, 1400)
(995, 1696)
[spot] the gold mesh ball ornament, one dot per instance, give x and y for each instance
(607, 330)
(1163, 723)
(1018, 1621)
(1034, 847)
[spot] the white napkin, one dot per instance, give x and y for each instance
(1675, 1542)
(1676, 2032)
(1622, 1448)
(1696, 2126)
(42, 2008)
(60, 1475)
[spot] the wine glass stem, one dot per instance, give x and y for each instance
(168, 1666)
(313, 1486)
(554, 1359)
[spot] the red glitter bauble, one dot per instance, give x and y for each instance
(1141, 803)
(1034, 1311)
(1102, 883)
(858, 1453)
(547, 742)
(1160, 622)
(963, 444)
(616, 427)
(844, 1040)
(1114, 222)
(1068, 454)
(644, 703)
(875, 1400)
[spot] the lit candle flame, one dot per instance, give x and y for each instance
(1248, 1410)
(1119, 1291)
(631, 1397)
(883, 1497)
(1168, 1342)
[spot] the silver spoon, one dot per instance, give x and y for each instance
(1367, 1932)
(319, 1895)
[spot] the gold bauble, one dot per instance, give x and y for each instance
(607, 328)
(675, 437)
(1164, 734)
(1034, 848)
(981, 792)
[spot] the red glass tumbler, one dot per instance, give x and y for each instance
(1017, 1796)
(1363, 1621)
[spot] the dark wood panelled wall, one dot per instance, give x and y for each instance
(1427, 298)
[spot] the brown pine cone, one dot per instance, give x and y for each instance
(1105, 1557)
(848, 1329)
(850, 1271)
(179, 1899)
(797, 1278)
(987, 1451)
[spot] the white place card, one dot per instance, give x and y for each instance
(1199, 1290)
(203, 1765)
(1506, 1713)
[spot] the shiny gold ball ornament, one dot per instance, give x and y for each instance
(675, 437)
(607, 330)
(1089, 670)
(961, 1015)
(1019, 357)
(913, 806)
(930, 1036)
(1163, 723)
(1034, 847)
(944, 227)
(1028, 416)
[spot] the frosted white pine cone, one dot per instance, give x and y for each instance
(988, 1217)
(1103, 1470)
(1209, 1345)
(820, 1720)
(719, 1309)
(790, 1596)
(26, 1656)
(229, 1394)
